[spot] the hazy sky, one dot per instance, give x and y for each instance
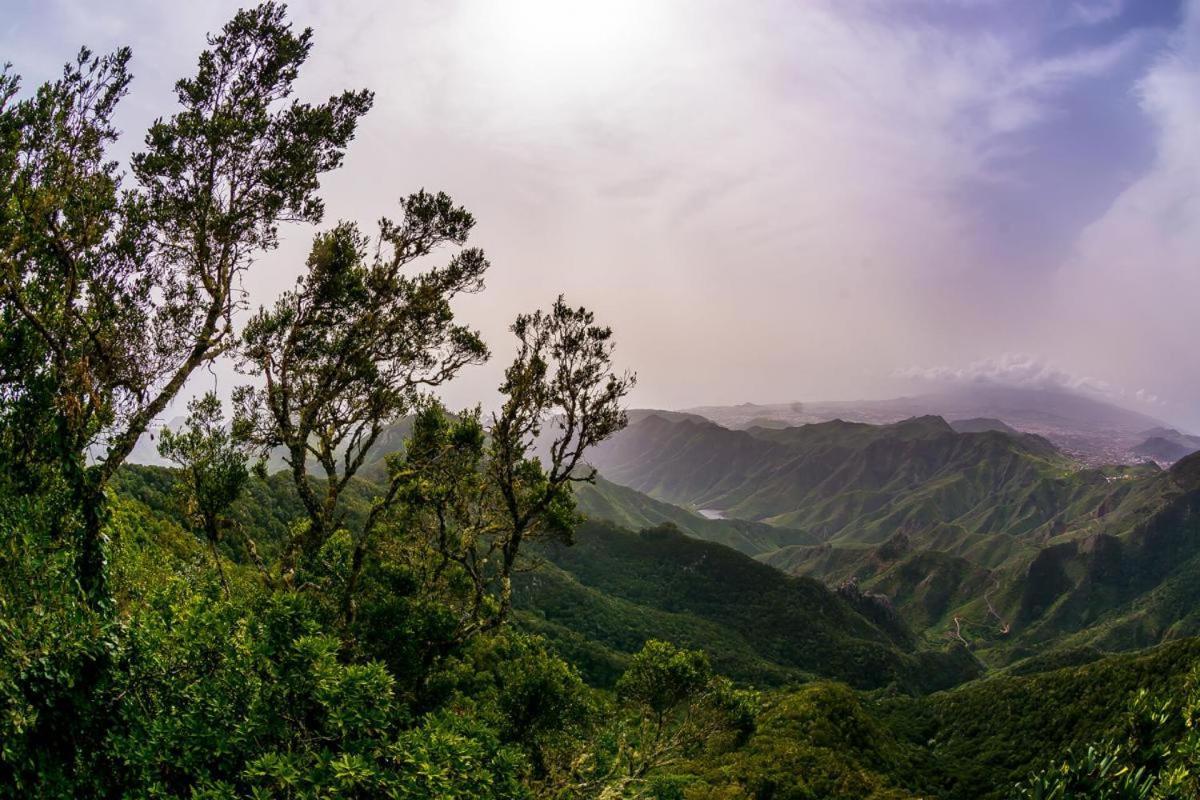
(769, 201)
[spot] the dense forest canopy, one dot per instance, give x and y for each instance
(410, 620)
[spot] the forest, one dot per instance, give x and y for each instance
(341, 588)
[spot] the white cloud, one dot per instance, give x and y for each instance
(749, 193)
(1022, 371)
(1128, 295)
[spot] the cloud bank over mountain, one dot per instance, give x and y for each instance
(1023, 371)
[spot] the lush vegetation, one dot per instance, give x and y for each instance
(345, 590)
(615, 588)
(990, 538)
(202, 632)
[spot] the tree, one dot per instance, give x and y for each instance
(214, 470)
(472, 496)
(447, 512)
(351, 349)
(560, 393)
(110, 299)
(672, 707)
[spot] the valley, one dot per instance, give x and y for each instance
(885, 587)
(994, 539)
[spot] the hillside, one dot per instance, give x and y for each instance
(598, 600)
(616, 588)
(601, 598)
(969, 743)
(990, 539)
(633, 510)
(1114, 569)
(848, 482)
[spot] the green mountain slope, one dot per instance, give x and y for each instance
(1120, 571)
(970, 743)
(849, 482)
(631, 509)
(987, 538)
(603, 597)
(672, 586)
(1119, 577)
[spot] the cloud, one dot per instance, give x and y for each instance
(1128, 292)
(1023, 371)
(756, 177)
(765, 199)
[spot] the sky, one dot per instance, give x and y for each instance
(768, 201)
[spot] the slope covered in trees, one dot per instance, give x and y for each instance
(976, 742)
(992, 539)
(847, 482)
(796, 625)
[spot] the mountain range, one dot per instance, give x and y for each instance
(1088, 428)
(998, 541)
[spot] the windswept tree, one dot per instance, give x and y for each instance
(472, 495)
(109, 298)
(561, 396)
(213, 467)
(351, 349)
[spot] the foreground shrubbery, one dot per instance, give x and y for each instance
(1155, 756)
(199, 688)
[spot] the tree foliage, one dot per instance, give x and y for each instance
(111, 297)
(351, 348)
(1155, 757)
(213, 469)
(560, 393)
(241, 673)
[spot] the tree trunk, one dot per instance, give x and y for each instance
(91, 556)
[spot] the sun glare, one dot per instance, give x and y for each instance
(559, 46)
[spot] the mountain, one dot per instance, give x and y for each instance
(1161, 450)
(1119, 572)
(995, 540)
(613, 589)
(905, 719)
(987, 538)
(982, 424)
(968, 610)
(601, 598)
(1093, 430)
(849, 482)
(1167, 445)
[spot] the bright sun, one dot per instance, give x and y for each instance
(551, 46)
